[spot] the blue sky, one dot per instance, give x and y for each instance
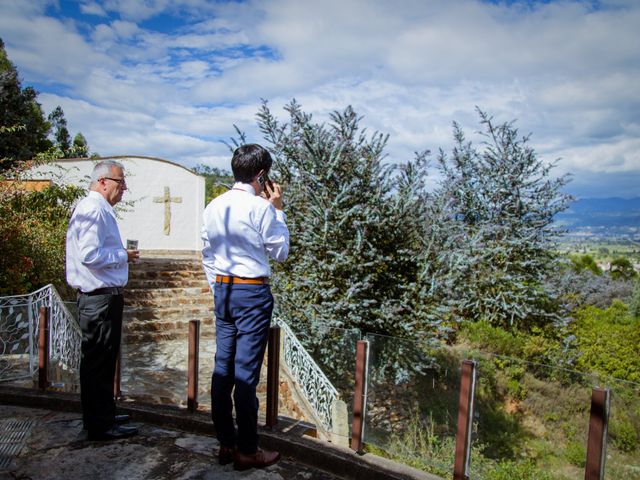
(170, 78)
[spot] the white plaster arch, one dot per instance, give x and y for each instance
(147, 179)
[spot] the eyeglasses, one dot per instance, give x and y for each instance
(120, 181)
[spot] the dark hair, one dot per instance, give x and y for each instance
(248, 160)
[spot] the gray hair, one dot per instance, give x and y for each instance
(103, 169)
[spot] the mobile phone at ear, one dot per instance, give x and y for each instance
(263, 180)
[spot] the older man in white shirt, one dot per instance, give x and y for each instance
(97, 266)
(241, 230)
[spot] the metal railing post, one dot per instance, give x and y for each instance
(43, 348)
(273, 376)
(465, 420)
(194, 347)
(597, 443)
(360, 396)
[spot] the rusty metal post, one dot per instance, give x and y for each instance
(194, 348)
(359, 396)
(43, 348)
(273, 376)
(117, 392)
(465, 419)
(597, 443)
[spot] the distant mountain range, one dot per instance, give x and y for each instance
(602, 216)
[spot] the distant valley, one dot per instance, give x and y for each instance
(602, 217)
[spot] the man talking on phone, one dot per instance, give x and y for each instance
(241, 230)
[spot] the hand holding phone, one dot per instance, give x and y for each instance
(266, 184)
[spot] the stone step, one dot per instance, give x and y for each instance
(162, 294)
(162, 274)
(160, 299)
(176, 325)
(178, 301)
(187, 312)
(164, 264)
(167, 283)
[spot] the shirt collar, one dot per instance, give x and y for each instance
(245, 187)
(98, 196)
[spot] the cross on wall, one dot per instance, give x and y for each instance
(167, 199)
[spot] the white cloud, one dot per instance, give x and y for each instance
(566, 71)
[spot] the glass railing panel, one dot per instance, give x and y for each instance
(207, 352)
(623, 446)
(325, 371)
(531, 420)
(16, 346)
(412, 403)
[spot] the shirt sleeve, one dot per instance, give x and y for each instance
(207, 255)
(92, 230)
(275, 233)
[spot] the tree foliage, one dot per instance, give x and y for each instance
(24, 127)
(33, 224)
(33, 227)
(216, 181)
(25, 130)
(353, 237)
(608, 341)
(501, 200)
(373, 249)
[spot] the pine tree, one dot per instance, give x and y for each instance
(355, 231)
(503, 200)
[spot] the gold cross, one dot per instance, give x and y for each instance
(167, 199)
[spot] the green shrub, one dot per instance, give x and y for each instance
(607, 341)
(624, 435)
(516, 471)
(492, 339)
(585, 262)
(576, 453)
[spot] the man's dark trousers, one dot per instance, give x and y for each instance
(100, 318)
(243, 315)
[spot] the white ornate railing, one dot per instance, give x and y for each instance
(316, 387)
(19, 334)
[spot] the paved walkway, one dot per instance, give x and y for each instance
(44, 444)
(41, 438)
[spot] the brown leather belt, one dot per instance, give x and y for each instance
(251, 281)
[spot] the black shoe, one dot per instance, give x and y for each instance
(120, 419)
(225, 455)
(114, 433)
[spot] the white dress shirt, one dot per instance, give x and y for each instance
(95, 255)
(240, 231)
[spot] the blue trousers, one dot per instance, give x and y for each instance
(243, 315)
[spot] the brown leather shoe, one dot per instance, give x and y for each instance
(225, 455)
(260, 459)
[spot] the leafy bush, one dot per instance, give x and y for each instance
(624, 435)
(577, 289)
(634, 304)
(585, 262)
(576, 453)
(488, 338)
(510, 470)
(622, 269)
(607, 341)
(33, 228)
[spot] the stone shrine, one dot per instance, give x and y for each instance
(162, 207)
